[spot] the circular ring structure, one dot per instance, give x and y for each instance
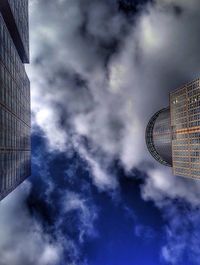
(158, 137)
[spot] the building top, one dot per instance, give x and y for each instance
(15, 14)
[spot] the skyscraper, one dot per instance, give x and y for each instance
(173, 134)
(14, 95)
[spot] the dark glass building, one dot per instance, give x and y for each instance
(173, 134)
(14, 95)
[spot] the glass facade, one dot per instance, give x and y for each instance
(15, 120)
(21, 20)
(15, 15)
(185, 121)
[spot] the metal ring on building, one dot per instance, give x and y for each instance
(150, 141)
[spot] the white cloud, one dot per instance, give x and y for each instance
(114, 100)
(101, 178)
(23, 240)
(182, 234)
(161, 184)
(87, 214)
(112, 105)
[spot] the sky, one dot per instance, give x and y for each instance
(99, 70)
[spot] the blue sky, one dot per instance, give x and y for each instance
(99, 70)
(124, 226)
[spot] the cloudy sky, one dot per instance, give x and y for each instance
(99, 70)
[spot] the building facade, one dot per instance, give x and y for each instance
(175, 136)
(15, 120)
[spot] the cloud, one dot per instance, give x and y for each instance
(23, 240)
(87, 214)
(161, 184)
(47, 119)
(102, 178)
(178, 199)
(28, 236)
(107, 96)
(102, 78)
(61, 198)
(182, 235)
(69, 86)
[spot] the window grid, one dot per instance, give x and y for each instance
(15, 120)
(185, 122)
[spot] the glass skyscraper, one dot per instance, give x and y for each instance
(15, 120)
(173, 134)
